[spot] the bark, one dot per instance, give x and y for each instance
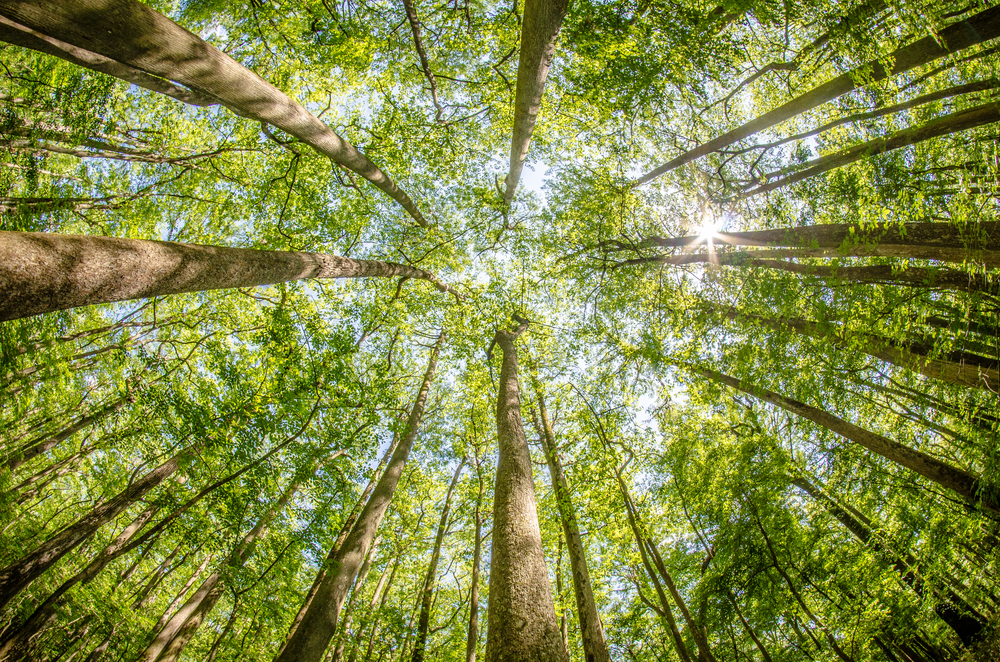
(472, 639)
(138, 37)
(430, 579)
(309, 641)
(595, 647)
(962, 120)
(45, 613)
(384, 580)
(746, 626)
(956, 37)
(170, 641)
(18, 575)
(411, 16)
(539, 33)
(381, 606)
(704, 650)
(98, 652)
(345, 530)
(43, 272)
(47, 442)
(951, 607)
(956, 367)
(521, 619)
(191, 581)
(945, 475)
(345, 628)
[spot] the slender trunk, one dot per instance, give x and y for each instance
(345, 530)
(798, 596)
(230, 622)
(337, 654)
(472, 639)
(956, 37)
(430, 579)
(956, 367)
(383, 581)
(309, 641)
(958, 480)
(43, 272)
(165, 567)
(47, 442)
(18, 575)
(138, 37)
(595, 646)
(521, 620)
(746, 626)
(704, 650)
(385, 596)
(411, 16)
(539, 33)
(563, 621)
(956, 612)
(962, 120)
(45, 613)
(170, 641)
(98, 652)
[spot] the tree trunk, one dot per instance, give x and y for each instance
(956, 612)
(956, 37)
(962, 120)
(46, 442)
(704, 650)
(595, 648)
(958, 480)
(18, 575)
(136, 36)
(98, 652)
(472, 639)
(42, 272)
(539, 33)
(427, 590)
(746, 626)
(309, 641)
(377, 599)
(345, 627)
(45, 613)
(521, 620)
(170, 641)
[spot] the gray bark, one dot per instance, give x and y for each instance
(521, 620)
(539, 33)
(309, 641)
(134, 35)
(472, 638)
(43, 272)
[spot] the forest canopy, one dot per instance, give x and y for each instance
(452, 330)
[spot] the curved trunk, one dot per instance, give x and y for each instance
(956, 37)
(539, 33)
(138, 37)
(43, 272)
(958, 480)
(595, 647)
(309, 641)
(427, 590)
(521, 619)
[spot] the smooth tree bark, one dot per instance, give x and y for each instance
(170, 641)
(962, 120)
(130, 33)
(377, 598)
(966, 622)
(977, 29)
(310, 639)
(430, 579)
(47, 442)
(539, 32)
(595, 647)
(16, 576)
(46, 613)
(521, 619)
(43, 272)
(344, 628)
(974, 489)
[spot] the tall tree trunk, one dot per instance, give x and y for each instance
(377, 599)
(521, 620)
(309, 641)
(955, 611)
(99, 650)
(45, 613)
(170, 641)
(746, 626)
(47, 442)
(962, 120)
(42, 272)
(704, 650)
(539, 33)
(381, 606)
(958, 480)
(138, 37)
(18, 575)
(956, 37)
(472, 639)
(430, 579)
(595, 648)
(344, 629)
